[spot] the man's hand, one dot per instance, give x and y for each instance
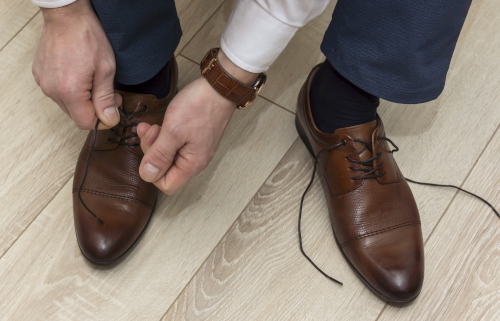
(75, 65)
(193, 126)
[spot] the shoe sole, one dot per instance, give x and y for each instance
(305, 140)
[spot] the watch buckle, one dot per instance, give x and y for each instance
(259, 82)
(209, 67)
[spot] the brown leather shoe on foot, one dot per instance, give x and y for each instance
(373, 213)
(113, 190)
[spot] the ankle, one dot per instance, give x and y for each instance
(338, 103)
(158, 85)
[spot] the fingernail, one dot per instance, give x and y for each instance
(111, 114)
(150, 172)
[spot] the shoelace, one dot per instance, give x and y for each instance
(368, 174)
(123, 115)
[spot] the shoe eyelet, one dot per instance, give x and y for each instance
(144, 107)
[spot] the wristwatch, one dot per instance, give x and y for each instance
(227, 85)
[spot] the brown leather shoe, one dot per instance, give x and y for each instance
(113, 190)
(372, 210)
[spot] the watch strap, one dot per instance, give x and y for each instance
(227, 85)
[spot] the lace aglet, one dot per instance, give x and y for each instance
(336, 281)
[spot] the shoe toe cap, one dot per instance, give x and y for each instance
(391, 263)
(123, 220)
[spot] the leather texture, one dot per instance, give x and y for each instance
(113, 189)
(224, 83)
(375, 220)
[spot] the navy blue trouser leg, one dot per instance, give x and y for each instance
(143, 34)
(399, 50)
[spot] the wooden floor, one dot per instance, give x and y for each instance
(225, 247)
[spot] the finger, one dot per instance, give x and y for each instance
(142, 128)
(160, 155)
(35, 75)
(49, 91)
(80, 108)
(61, 105)
(179, 174)
(149, 137)
(104, 98)
(83, 114)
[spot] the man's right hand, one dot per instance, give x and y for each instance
(75, 65)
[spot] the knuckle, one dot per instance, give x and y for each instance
(46, 88)
(200, 164)
(63, 90)
(80, 125)
(175, 131)
(108, 70)
(45, 91)
(84, 123)
(84, 127)
(164, 190)
(160, 157)
(34, 72)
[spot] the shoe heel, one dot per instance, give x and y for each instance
(303, 136)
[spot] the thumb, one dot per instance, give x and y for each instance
(104, 98)
(160, 155)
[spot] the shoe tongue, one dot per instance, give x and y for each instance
(364, 132)
(133, 102)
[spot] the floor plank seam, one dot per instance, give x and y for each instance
(21, 29)
(269, 100)
(187, 58)
(266, 99)
(201, 27)
(463, 183)
(225, 234)
(451, 201)
(381, 311)
(36, 216)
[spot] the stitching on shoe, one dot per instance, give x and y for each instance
(379, 232)
(114, 196)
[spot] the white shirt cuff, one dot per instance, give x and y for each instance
(52, 3)
(253, 38)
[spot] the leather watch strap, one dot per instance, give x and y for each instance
(227, 85)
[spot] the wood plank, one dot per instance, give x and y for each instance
(40, 144)
(193, 14)
(463, 254)
(45, 271)
(288, 73)
(257, 272)
(43, 144)
(442, 139)
(454, 125)
(46, 278)
(13, 17)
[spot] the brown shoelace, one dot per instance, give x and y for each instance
(128, 118)
(368, 174)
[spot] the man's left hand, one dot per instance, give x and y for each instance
(193, 126)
